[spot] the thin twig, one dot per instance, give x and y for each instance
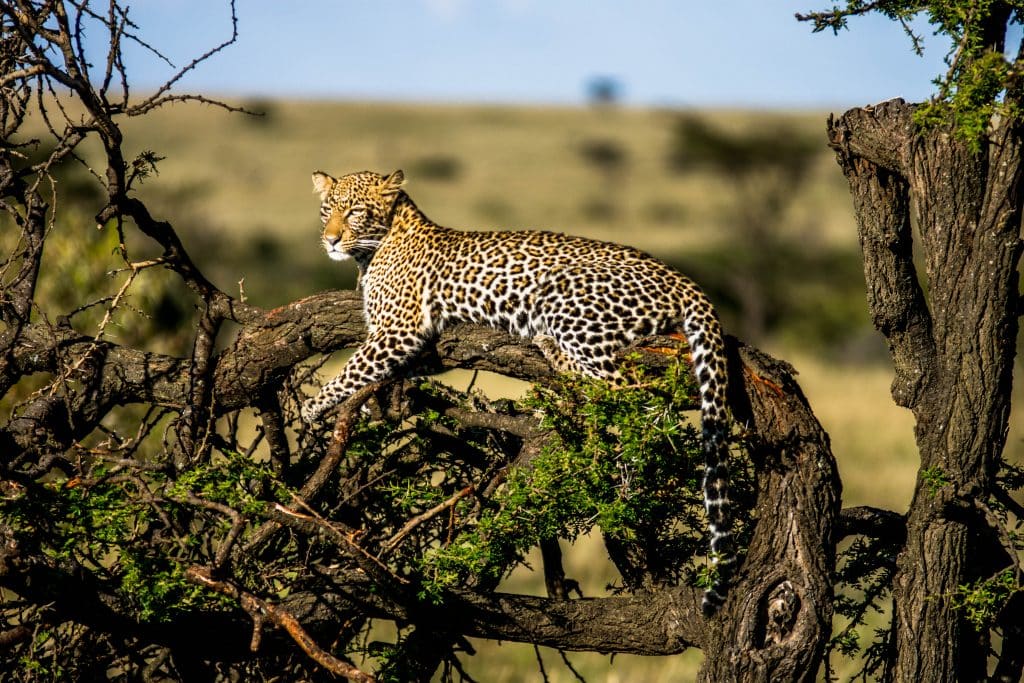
(238, 523)
(347, 416)
(423, 517)
(259, 609)
(341, 534)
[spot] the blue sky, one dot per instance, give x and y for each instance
(749, 53)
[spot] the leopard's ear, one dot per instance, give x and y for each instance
(322, 183)
(392, 183)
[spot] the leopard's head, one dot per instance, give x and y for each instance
(356, 210)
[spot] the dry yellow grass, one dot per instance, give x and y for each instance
(514, 167)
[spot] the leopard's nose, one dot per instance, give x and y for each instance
(333, 230)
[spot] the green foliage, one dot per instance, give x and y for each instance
(934, 478)
(982, 601)
(862, 587)
(233, 480)
(866, 568)
(102, 520)
(619, 459)
(75, 516)
(979, 78)
(33, 664)
(158, 590)
(970, 102)
(846, 642)
(143, 167)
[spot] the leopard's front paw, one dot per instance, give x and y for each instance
(310, 411)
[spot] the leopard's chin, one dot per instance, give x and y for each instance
(336, 255)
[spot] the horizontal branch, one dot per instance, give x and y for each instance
(869, 521)
(265, 350)
(656, 623)
(661, 622)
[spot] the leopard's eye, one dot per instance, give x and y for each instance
(356, 215)
(325, 213)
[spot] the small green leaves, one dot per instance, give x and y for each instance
(982, 601)
(158, 589)
(972, 94)
(233, 480)
(970, 100)
(623, 460)
(934, 478)
(143, 166)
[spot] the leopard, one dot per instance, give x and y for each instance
(578, 300)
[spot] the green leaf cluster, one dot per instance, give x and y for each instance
(622, 460)
(934, 478)
(981, 84)
(158, 590)
(863, 583)
(231, 479)
(76, 517)
(982, 601)
(107, 522)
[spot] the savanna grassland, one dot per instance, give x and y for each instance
(752, 205)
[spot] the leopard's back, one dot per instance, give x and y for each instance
(523, 282)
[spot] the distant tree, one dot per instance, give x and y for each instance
(610, 159)
(604, 90)
(764, 168)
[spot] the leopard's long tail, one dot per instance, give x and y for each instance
(707, 347)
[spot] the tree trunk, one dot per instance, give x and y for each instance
(778, 618)
(952, 339)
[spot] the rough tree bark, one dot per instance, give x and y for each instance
(952, 333)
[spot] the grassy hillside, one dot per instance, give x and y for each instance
(239, 190)
(245, 180)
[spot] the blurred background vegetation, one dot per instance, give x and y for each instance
(751, 204)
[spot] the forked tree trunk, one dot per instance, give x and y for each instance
(952, 338)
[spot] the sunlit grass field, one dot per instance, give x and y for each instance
(238, 189)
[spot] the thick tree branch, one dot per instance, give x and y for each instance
(881, 203)
(880, 134)
(873, 522)
(265, 351)
(952, 344)
(796, 474)
(656, 623)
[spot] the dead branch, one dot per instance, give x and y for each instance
(280, 617)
